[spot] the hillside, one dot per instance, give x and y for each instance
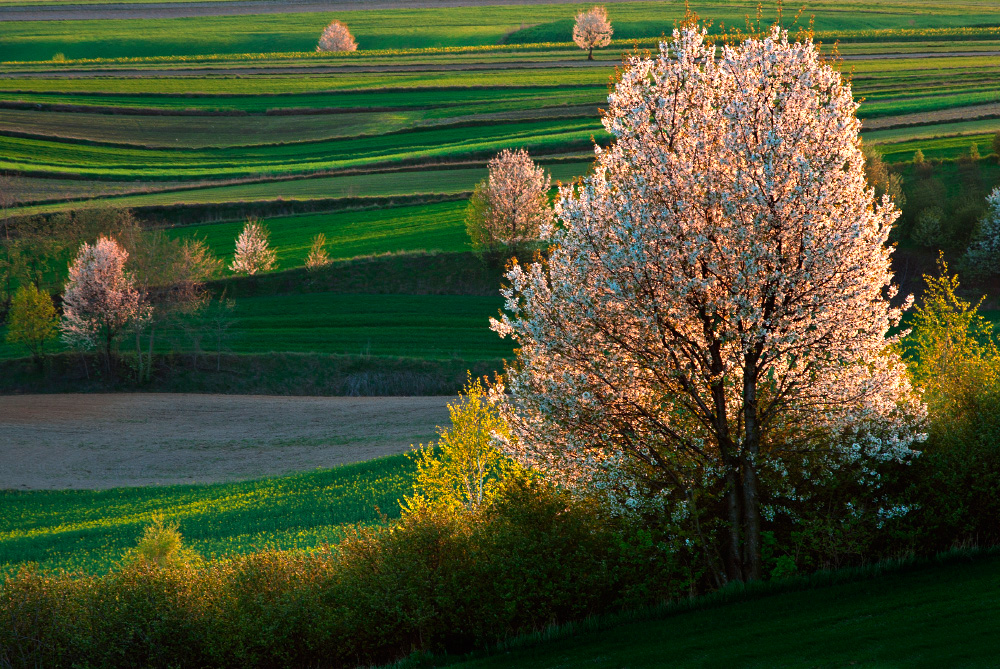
(933, 616)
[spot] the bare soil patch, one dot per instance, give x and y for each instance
(111, 440)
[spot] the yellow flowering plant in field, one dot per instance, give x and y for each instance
(464, 469)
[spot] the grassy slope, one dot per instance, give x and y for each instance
(416, 28)
(934, 617)
(91, 530)
(428, 227)
(421, 326)
(429, 327)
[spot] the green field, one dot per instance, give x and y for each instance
(205, 120)
(92, 530)
(419, 28)
(430, 227)
(421, 326)
(933, 617)
(430, 327)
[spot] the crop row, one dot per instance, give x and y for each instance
(46, 156)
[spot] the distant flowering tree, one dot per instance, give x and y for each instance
(100, 299)
(32, 321)
(982, 258)
(318, 256)
(592, 30)
(509, 208)
(336, 37)
(253, 252)
(712, 320)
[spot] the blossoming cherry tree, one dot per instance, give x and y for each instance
(100, 298)
(592, 30)
(712, 319)
(510, 207)
(336, 37)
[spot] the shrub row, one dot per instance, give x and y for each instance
(433, 582)
(245, 374)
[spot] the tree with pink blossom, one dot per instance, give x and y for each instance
(508, 209)
(253, 251)
(711, 322)
(100, 299)
(592, 30)
(337, 38)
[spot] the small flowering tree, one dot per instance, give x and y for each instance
(336, 37)
(982, 258)
(711, 322)
(509, 208)
(253, 252)
(592, 30)
(318, 256)
(100, 300)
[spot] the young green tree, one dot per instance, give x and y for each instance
(464, 469)
(161, 546)
(32, 321)
(879, 176)
(955, 360)
(952, 348)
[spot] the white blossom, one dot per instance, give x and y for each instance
(717, 296)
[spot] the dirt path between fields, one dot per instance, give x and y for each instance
(166, 10)
(110, 440)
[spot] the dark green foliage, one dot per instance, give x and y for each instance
(953, 486)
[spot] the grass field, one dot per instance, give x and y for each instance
(933, 617)
(430, 227)
(418, 28)
(430, 327)
(422, 326)
(92, 530)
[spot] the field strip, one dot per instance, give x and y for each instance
(104, 441)
(966, 113)
(163, 10)
(572, 61)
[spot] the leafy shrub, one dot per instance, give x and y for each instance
(160, 546)
(952, 488)
(928, 228)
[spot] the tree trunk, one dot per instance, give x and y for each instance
(734, 499)
(751, 522)
(590, 56)
(149, 357)
(748, 465)
(138, 355)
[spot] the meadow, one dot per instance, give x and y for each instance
(91, 531)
